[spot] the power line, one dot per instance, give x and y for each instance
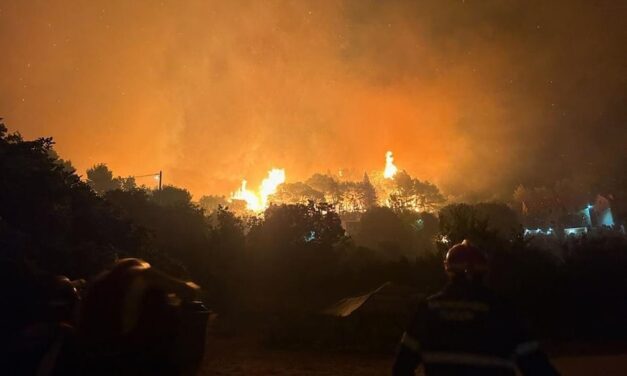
(158, 175)
(145, 176)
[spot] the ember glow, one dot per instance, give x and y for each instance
(258, 201)
(390, 167)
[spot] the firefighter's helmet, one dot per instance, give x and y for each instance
(465, 258)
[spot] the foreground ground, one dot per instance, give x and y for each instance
(239, 356)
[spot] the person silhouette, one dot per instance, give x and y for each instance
(465, 329)
(135, 320)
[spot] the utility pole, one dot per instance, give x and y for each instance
(158, 175)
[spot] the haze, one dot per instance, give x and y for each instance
(476, 96)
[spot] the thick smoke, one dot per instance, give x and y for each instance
(477, 96)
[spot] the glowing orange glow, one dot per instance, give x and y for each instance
(258, 201)
(390, 167)
(204, 90)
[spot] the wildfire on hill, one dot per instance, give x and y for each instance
(258, 201)
(389, 187)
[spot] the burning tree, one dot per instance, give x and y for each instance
(326, 184)
(258, 201)
(369, 193)
(296, 193)
(414, 195)
(351, 197)
(390, 187)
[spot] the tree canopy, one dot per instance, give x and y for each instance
(51, 219)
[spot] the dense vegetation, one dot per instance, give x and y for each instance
(295, 257)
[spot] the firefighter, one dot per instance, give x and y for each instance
(466, 330)
(136, 320)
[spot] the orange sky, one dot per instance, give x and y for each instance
(475, 96)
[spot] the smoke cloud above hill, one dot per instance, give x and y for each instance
(476, 96)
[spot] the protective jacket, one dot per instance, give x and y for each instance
(466, 330)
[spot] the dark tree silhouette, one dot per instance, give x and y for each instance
(225, 266)
(127, 183)
(52, 220)
(500, 218)
(381, 229)
(393, 234)
(101, 179)
(293, 252)
(178, 228)
(461, 221)
(424, 229)
(170, 195)
(67, 164)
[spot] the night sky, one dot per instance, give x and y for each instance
(477, 96)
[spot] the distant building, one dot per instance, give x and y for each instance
(591, 218)
(605, 218)
(575, 231)
(539, 232)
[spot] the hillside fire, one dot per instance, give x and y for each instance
(389, 187)
(258, 201)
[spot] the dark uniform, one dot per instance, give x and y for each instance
(467, 330)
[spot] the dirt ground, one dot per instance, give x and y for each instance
(237, 356)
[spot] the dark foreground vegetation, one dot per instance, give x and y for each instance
(283, 268)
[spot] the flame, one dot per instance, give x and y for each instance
(259, 201)
(390, 167)
(252, 201)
